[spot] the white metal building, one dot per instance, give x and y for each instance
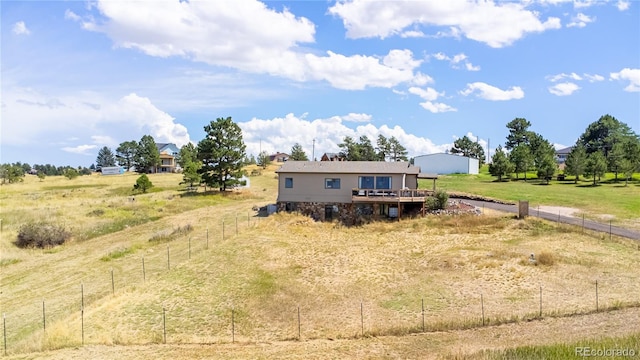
(446, 164)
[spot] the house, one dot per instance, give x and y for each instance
(331, 157)
(168, 153)
(346, 190)
(446, 164)
(563, 154)
(278, 157)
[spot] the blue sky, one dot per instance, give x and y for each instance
(77, 76)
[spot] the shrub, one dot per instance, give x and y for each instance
(143, 183)
(441, 199)
(41, 235)
(546, 258)
(71, 173)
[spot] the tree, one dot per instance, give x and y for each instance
(146, 156)
(70, 173)
(366, 150)
(500, 165)
(143, 183)
(630, 159)
(383, 148)
(518, 133)
(397, 151)
(221, 153)
(576, 162)
(468, 148)
(596, 165)
(125, 153)
(297, 153)
(191, 172)
(11, 173)
(521, 158)
(41, 175)
(105, 158)
(188, 153)
(263, 159)
(543, 157)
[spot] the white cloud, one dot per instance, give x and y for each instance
(558, 77)
(593, 77)
(631, 75)
(70, 15)
(421, 79)
(456, 60)
(581, 20)
(244, 35)
(623, 5)
(430, 95)
(495, 24)
(20, 28)
(564, 89)
(354, 117)
(27, 120)
(412, 34)
(280, 134)
(488, 92)
(80, 149)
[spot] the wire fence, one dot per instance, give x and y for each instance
(77, 304)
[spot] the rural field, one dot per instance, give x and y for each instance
(172, 275)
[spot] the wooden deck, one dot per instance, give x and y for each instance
(388, 195)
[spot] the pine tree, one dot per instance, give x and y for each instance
(147, 155)
(596, 165)
(105, 158)
(500, 165)
(576, 162)
(298, 154)
(222, 152)
(125, 153)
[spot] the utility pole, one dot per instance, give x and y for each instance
(313, 151)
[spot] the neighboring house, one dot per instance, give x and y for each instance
(345, 190)
(446, 164)
(563, 154)
(331, 157)
(279, 157)
(168, 153)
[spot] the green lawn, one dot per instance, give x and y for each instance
(607, 198)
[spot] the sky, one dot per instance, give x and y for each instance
(77, 76)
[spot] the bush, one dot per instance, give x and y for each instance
(437, 202)
(143, 183)
(71, 173)
(41, 235)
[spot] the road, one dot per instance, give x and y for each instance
(588, 224)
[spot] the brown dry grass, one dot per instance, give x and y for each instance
(279, 264)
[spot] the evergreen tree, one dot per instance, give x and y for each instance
(221, 153)
(105, 158)
(521, 158)
(596, 165)
(191, 172)
(576, 162)
(500, 165)
(143, 183)
(397, 151)
(146, 155)
(188, 153)
(263, 159)
(468, 148)
(366, 150)
(125, 153)
(298, 154)
(383, 148)
(518, 133)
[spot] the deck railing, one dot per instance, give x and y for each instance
(389, 194)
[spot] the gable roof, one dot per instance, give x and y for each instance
(564, 151)
(348, 167)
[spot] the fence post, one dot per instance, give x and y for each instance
(144, 272)
(362, 318)
(482, 304)
(82, 311)
(540, 300)
(422, 314)
(4, 331)
(299, 338)
(596, 295)
(113, 286)
(164, 325)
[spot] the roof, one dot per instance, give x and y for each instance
(348, 167)
(564, 151)
(445, 154)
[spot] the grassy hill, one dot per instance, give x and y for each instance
(359, 291)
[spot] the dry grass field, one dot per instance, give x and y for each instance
(360, 291)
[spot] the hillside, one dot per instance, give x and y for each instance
(358, 290)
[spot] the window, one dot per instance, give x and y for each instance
(365, 182)
(288, 183)
(332, 183)
(383, 182)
